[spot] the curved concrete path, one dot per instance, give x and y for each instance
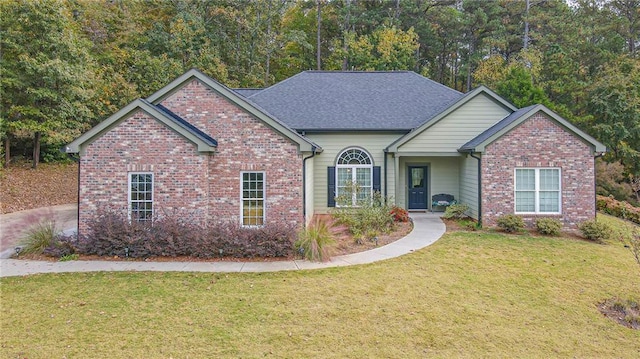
(427, 228)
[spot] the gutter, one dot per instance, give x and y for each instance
(304, 185)
(471, 153)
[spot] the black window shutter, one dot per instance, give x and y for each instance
(331, 186)
(376, 179)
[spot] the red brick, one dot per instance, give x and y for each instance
(539, 142)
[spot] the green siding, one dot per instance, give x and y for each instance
(444, 173)
(334, 143)
(457, 128)
(469, 184)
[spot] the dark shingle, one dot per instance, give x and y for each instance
(320, 100)
(246, 92)
(186, 125)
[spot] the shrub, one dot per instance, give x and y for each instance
(618, 209)
(456, 211)
(315, 242)
(510, 223)
(111, 234)
(38, 237)
(400, 214)
(370, 218)
(548, 226)
(61, 246)
(595, 231)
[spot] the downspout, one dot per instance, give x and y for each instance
(304, 186)
(479, 187)
(595, 184)
(385, 175)
(76, 159)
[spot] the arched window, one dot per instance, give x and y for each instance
(354, 177)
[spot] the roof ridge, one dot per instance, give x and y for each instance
(358, 71)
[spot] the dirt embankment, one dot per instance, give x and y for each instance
(22, 187)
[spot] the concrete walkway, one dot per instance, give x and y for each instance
(427, 229)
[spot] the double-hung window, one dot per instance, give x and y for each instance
(537, 190)
(354, 177)
(141, 196)
(253, 188)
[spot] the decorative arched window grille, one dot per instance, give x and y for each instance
(354, 177)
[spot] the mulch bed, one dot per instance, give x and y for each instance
(345, 244)
(620, 315)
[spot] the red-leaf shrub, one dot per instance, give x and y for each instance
(111, 234)
(618, 209)
(399, 214)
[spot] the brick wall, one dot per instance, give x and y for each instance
(244, 144)
(142, 144)
(538, 142)
(205, 187)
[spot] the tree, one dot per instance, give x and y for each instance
(47, 75)
(614, 101)
(387, 48)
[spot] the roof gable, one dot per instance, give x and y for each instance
(203, 141)
(505, 125)
(448, 110)
(355, 100)
(237, 99)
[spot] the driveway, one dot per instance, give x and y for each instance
(13, 226)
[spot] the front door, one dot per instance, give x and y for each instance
(417, 177)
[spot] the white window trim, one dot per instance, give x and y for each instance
(264, 199)
(353, 175)
(537, 190)
(130, 200)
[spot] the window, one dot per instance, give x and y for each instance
(140, 197)
(354, 177)
(252, 199)
(537, 190)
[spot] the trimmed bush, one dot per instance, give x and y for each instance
(456, 211)
(111, 234)
(510, 223)
(548, 226)
(595, 231)
(618, 209)
(315, 242)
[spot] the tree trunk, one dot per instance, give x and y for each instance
(7, 152)
(319, 21)
(525, 43)
(36, 149)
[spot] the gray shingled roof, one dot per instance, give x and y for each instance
(246, 92)
(321, 100)
(474, 142)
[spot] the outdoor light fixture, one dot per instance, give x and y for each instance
(18, 249)
(126, 252)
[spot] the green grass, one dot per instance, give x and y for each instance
(622, 230)
(471, 294)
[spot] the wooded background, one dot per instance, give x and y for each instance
(68, 64)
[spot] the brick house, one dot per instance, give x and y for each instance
(285, 153)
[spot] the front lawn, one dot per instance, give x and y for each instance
(471, 294)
